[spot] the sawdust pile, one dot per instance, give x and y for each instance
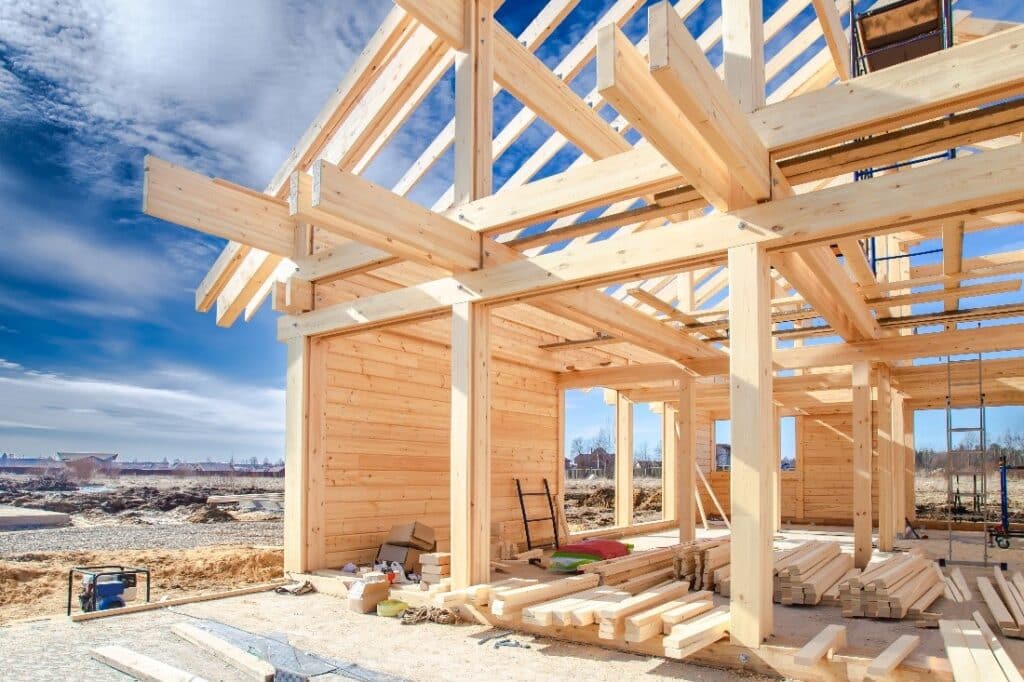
(33, 585)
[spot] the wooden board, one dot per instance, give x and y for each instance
(141, 667)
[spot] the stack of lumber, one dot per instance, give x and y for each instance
(620, 569)
(1005, 601)
(435, 567)
(899, 587)
(704, 563)
(974, 651)
(956, 587)
(804, 574)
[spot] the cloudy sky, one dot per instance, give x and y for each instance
(100, 347)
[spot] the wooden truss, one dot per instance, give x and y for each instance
(734, 225)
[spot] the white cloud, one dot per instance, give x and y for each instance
(7, 364)
(173, 412)
(234, 82)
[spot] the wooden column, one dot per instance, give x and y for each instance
(743, 51)
(751, 477)
(470, 445)
(669, 461)
(474, 118)
(685, 433)
(777, 471)
(886, 478)
(296, 463)
(898, 456)
(909, 464)
(305, 461)
(861, 464)
(623, 461)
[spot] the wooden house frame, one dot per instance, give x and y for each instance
(429, 349)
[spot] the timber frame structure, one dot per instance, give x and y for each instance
(429, 348)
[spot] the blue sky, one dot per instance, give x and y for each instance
(100, 347)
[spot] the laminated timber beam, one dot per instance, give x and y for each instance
(979, 184)
(527, 79)
(753, 463)
(835, 37)
(862, 449)
(942, 83)
(684, 456)
(681, 107)
(992, 265)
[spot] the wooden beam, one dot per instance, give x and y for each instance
(624, 80)
(474, 117)
(669, 461)
(917, 90)
(835, 37)
(255, 668)
(255, 269)
(623, 461)
(750, 477)
(824, 645)
(944, 295)
(981, 183)
(470, 446)
(216, 207)
(861, 464)
(527, 79)
(220, 273)
(685, 450)
(140, 667)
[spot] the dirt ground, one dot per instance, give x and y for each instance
(590, 504)
(930, 495)
(35, 584)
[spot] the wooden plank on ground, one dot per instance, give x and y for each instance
(514, 600)
(180, 601)
(1008, 666)
(887, 661)
(1002, 615)
(825, 643)
(959, 653)
(141, 667)
(254, 667)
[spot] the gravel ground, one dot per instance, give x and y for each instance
(59, 650)
(168, 536)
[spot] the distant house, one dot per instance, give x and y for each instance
(598, 458)
(205, 468)
(36, 466)
(163, 468)
(104, 462)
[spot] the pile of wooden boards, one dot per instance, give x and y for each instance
(804, 574)
(435, 567)
(1005, 599)
(705, 563)
(974, 651)
(900, 587)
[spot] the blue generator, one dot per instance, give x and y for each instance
(106, 587)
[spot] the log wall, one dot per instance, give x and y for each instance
(386, 439)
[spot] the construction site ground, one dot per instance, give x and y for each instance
(323, 624)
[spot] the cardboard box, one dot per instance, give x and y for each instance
(364, 597)
(408, 557)
(414, 535)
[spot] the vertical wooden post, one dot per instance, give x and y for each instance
(743, 52)
(777, 470)
(470, 445)
(560, 476)
(669, 461)
(751, 476)
(861, 464)
(883, 434)
(474, 118)
(909, 464)
(686, 457)
(899, 448)
(305, 458)
(296, 468)
(623, 461)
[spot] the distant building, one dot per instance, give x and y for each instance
(598, 458)
(36, 466)
(78, 456)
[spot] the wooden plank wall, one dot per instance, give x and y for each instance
(821, 488)
(386, 438)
